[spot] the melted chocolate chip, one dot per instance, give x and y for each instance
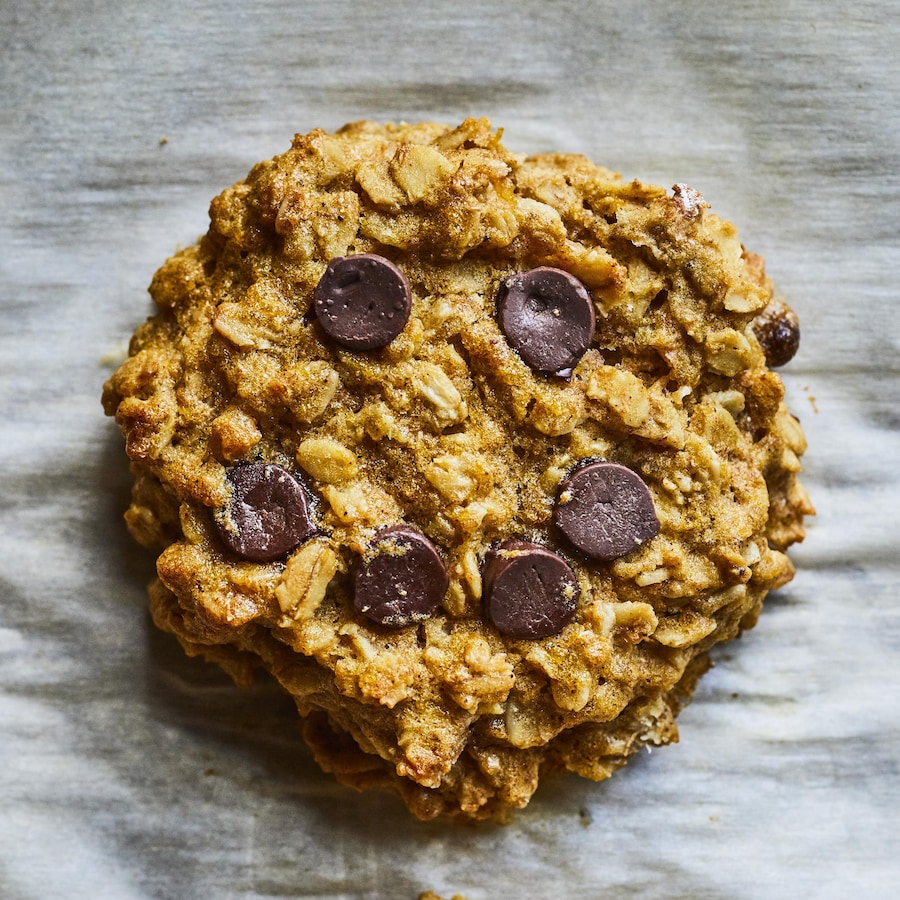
(777, 329)
(268, 514)
(401, 580)
(362, 302)
(530, 592)
(605, 510)
(548, 318)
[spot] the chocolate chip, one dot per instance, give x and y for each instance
(268, 514)
(402, 579)
(605, 510)
(777, 329)
(530, 592)
(548, 318)
(362, 302)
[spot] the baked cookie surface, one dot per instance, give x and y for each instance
(477, 454)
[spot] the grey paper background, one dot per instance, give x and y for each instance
(129, 771)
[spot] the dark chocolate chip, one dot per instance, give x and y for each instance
(402, 579)
(530, 592)
(777, 329)
(362, 302)
(268, 514)
(548, 318)
(605, 510)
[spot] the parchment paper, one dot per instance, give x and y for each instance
(130, 771)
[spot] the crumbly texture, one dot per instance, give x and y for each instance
(447, 430)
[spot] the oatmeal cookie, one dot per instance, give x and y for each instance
(477, 454)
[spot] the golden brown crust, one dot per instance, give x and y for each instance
(448, 430)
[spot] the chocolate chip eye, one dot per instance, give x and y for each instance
(605, 510)
(777, 329)
(362, 302)
(268, 514)
(530, 592)
(402, 578)
(548, 318)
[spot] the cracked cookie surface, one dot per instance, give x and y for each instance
(448, 436)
